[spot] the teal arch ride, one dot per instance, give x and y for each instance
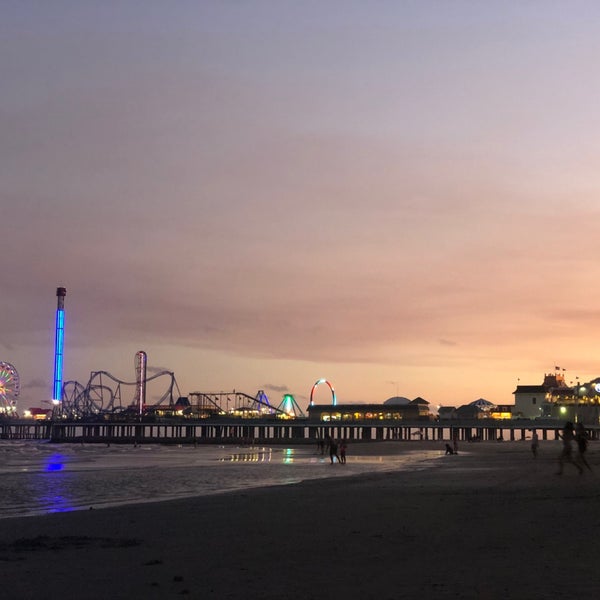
(319, 382)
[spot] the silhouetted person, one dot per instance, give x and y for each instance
(343, 452)
(566, 454)
(535, 443)
(333, 450)
(327, 444)
(581, 440)
(449, 449)
(455, 443)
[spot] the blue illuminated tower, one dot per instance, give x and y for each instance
(59, 345)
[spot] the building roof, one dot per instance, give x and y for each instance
(397, 400)
(419, 400)
(530, 389)
(352, 406)
(482, 403)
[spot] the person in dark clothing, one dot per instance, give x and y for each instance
(581, 441)
(333, 450)
(566, 454)
(343, 452)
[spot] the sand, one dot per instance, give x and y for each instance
(491, 522)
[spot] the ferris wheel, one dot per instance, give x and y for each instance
(9, 389)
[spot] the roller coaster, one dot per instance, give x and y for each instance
(239, 404)
(102, 395)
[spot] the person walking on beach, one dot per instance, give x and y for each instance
(343, 451)
(535, 442)
(581, 440)
(321, 446)
(333, 450)
(455, 442)
(566, 454)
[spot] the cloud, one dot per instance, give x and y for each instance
(155, 370)
(36, 384)
(276, 388)
(6, 345)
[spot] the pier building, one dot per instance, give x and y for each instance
(417, 409)
(555, 399)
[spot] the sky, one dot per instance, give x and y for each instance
(399, 197)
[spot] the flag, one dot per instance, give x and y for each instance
(557, 368)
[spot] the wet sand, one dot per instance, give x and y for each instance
(491, 522)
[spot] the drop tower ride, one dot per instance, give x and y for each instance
(59, 345)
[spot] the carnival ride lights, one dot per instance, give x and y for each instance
(10, 387)
(319, 382)
(289, 407)
(262, 401)
(59, 344)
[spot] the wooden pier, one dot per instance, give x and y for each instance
(270, 431)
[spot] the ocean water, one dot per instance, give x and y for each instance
(39, 477)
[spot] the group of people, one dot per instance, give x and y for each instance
(570, 434)
(573, 433)
(337, 450)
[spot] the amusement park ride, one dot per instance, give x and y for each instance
(102, 396)
(9, 389)
(105, 396)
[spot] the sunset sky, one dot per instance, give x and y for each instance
(401, 197)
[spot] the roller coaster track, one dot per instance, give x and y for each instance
(102, 395)
(226, 402)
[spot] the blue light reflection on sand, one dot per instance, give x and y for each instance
(55, 463)
(53, 498)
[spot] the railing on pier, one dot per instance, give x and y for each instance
(269, 431)
(25, 429)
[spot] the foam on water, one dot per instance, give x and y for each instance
(40, 478)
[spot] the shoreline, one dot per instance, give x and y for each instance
(490, 522)
(309, 464)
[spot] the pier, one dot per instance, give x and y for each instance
(235, 430)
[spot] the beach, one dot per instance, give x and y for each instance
(490, 522)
